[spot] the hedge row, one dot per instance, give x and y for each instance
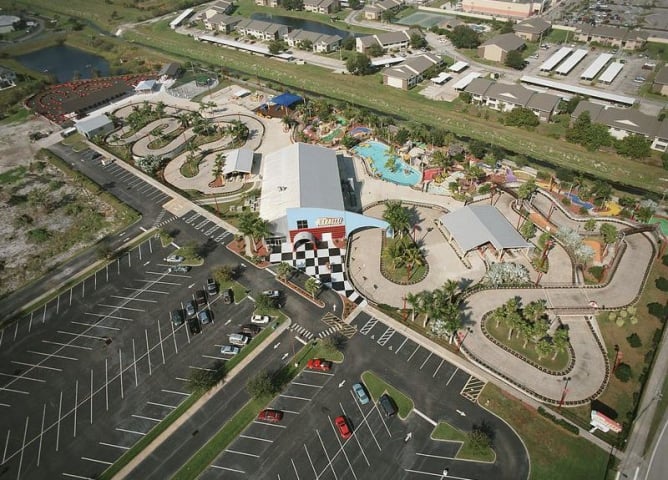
(559, 421)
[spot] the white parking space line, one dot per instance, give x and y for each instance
(307, 385)
(134, 361)
(213, 357)
(76, 404)
(434, 456)
(242, 453)
(269, 424)
(2, 335)
(402, 345)
(451, 377)
(57, 304)
(16, 330)
(105, 316)
(34, 365)
(96, 461)
(355, 436)
(60, 344)
(365, 421)
(329, 460)
(94, 337)
(290, 411)
(71, 475)
(438, 368)
(176, 347)
(417, 347)
(295, 468)
(62, 357)
(30, 322)
(60, 409)
(148, 353)
(310, 461)
(12, 390)
(202, 368)
(41, 435)
(342, 449)
(227, 468)
(92, 394)
(161, 405)
(4, 453)
(296, 398)
(44, 315)
(159, 292)
(147, 418)
(134, 299)
(120, 447)
(375, 407)
(176, 392)
(426, 360)
(94, 325)
(162, 349)
(106, 383)
(257, 438)
(23, 378)
(120, 307)
(120, 374)
(315, 372)
(25, 433)
(440, 475)
(130, 431)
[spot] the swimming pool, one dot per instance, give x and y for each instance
(581, 203)
(359, 131)
(377, 153)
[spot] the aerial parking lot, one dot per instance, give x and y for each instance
(306, 443)
(95, 368)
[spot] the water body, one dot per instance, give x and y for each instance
(63, 61)
(298, 23)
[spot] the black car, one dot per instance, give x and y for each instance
(200, 298)
(250, 329)
(228, 295)
(211, 286)
(193, 325)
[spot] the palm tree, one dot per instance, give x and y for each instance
(513, 321)
(543, 348)
(412, 256)
(535, 310)
(426, 305)
(238, 130)
(397, 216)
(526, 190)
(609, 234)
(450, 288)
(283, 270)
(260, 229)
(414, 300)
(498, 315)
(160, 109)
(559, 341)
(312, 286)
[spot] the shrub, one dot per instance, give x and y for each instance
(657, 310)
(620, 322)
(596, 272)
(634, 340)
(559, 421)
(39, 235)
(623, 372)
(566, 201)
(662, 284)
(665, 259)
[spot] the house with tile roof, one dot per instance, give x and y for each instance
(411, 72)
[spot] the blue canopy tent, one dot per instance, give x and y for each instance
(279, 105)
(286, 99)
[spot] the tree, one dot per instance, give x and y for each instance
(634, 146)
(355, 4)
(375, 50)
(415, 301)
(521, 117)
(507, 27)
(306, 44)
(477, 148)
(348, 42)
(238, 130)
(417, 40)
(388, 15)
(312, 286)
(543, 348)
(284, 270)
(479, 440)
(397, 216)
(249, 224)
(590, 225)
(559, 341)
(202, 380)
(528, 230)
(262, 302)
(609, 234)
(465, 97)
(515, 60)
(464, 37)
(261, 385)
(336, 342)
(293, 4)
(277, 46)
(623, 372)
(569, 106)
(358, 64)
(190, 250)
(223, 273)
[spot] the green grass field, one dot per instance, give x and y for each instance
(555, 454)
(445, 431)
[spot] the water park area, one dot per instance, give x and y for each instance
(386, 164)
(360, 132)
(326, 132)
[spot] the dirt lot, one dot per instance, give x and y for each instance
(47, 215)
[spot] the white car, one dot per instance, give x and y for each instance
(271, 293)
(229, 350)
(174, 259)
(260, 319)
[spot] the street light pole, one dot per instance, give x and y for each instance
(564, 392)
(617, 354)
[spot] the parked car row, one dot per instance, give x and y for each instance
(240, 339)
(195, 311)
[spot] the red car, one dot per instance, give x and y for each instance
(269, 415)
(344, 429)
(319, 364)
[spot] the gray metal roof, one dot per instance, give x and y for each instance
(92, 123)
(300, 175)
(506, 42)
(477, 225)
(239, 160)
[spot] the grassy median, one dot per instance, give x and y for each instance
(377, 386)
(468, 451)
